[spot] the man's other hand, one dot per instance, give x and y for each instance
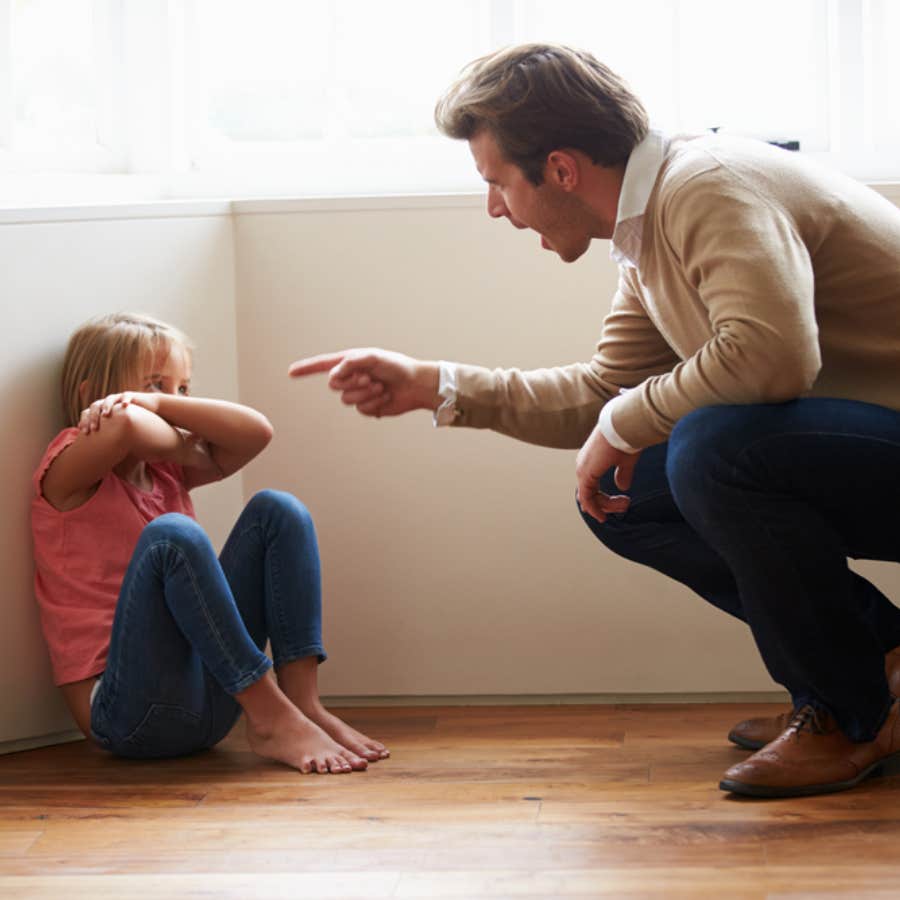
(594, 460)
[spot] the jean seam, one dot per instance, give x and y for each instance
(213, 626)
(249, 680)
(760, 441)
(272, 567)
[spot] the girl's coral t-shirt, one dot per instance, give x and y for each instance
(80, 558)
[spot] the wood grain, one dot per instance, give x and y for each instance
(549, 802)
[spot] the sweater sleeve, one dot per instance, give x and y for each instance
(743, 257)
(558, 407)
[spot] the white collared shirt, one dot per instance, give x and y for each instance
(640, 175)
(625, 249)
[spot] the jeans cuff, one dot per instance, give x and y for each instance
(282, 659)
(247, 680)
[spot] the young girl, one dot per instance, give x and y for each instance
(156, 643)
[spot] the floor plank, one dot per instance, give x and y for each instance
(563, 801)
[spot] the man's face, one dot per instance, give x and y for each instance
(554, 213)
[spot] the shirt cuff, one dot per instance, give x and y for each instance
(608, 430)
(447, 412)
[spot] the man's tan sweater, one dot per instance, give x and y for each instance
(763, 277)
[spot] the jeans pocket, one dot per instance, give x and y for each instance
(164, 731)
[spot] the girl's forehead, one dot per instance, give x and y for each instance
(173, 357)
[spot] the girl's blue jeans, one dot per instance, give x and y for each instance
(190, 629)
(757, 509)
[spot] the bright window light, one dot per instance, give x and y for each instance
(262, 98)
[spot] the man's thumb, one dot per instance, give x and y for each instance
(625, 471)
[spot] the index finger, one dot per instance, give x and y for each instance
(312, 365)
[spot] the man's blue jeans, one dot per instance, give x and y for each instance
(190, 629)
(757, 508)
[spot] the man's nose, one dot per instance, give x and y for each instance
(495, 206)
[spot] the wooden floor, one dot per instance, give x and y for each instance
(549, 802)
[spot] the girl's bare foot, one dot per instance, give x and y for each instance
(299, 681)
(296, 741)
(348, 737)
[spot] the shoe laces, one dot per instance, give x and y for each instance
(810, 719)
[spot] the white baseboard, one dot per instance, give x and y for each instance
(560, 699)
(43, 740)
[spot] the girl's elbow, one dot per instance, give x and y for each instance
(266, 432)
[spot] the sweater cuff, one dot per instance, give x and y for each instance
(608, 430)
(447, 412)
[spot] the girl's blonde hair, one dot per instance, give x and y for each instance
(107, 354)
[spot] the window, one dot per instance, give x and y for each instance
(57, 93)
(293, 97)
(327, 97)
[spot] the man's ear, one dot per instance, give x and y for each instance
(562, 170)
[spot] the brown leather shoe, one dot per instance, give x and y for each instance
(754, 734)
(813, 756)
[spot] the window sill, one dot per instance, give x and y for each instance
(141, 208)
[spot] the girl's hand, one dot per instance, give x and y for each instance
(100, 409)
(94, 414)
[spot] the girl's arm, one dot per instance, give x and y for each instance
(155, 427)
(233, 434)
(128, 430)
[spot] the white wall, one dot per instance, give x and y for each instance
(53, 276)
(454, 560)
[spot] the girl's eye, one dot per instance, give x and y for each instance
(154, 386)
(183, 390)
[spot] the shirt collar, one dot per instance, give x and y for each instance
(641, 170)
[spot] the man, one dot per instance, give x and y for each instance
(746, 383)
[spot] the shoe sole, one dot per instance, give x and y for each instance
(886, 766)
(745, 743)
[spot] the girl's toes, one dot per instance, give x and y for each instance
(355, 761)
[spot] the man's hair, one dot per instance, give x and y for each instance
(107, 354)
(536, 98)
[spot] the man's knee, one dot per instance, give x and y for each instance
(709, 450)
(702, 439)
(629, 534)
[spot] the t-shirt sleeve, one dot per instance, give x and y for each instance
(63, 440)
